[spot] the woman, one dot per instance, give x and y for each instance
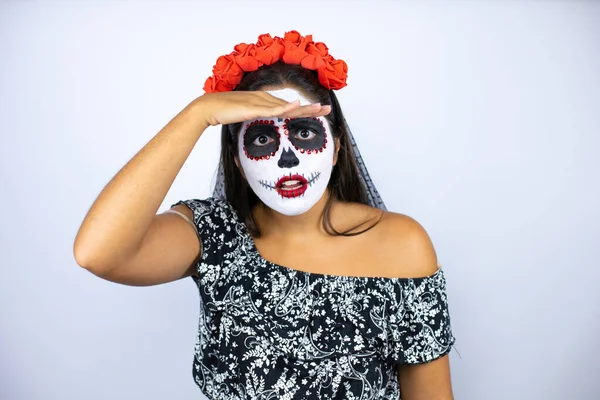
(309, 288)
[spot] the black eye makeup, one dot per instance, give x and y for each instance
(306, 134)
(261, 140)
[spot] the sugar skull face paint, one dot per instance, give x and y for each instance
(287, 163)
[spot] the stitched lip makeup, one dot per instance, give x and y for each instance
(291, 185)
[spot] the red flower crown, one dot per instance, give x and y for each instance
(293, 49)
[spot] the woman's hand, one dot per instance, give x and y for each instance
(231, 107)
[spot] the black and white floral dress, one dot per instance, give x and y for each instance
(270, 332)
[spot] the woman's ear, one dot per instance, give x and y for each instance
(337, 150)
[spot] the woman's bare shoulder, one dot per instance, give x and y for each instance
(398, 243)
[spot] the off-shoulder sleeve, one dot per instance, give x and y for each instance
(214, 222)
(419, 329)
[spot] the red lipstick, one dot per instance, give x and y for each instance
(290, 186)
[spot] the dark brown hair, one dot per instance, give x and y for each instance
(344, 184)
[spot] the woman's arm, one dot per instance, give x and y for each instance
(429, 381)
(121, 238)
(410, 250)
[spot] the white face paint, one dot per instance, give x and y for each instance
(287, 163)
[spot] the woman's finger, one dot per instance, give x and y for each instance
(273, 102)
(279, 110)
(270, 97)
(293, 110)
(309, 111)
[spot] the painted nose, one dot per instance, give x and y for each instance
(288, 159)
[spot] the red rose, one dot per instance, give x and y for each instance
(334, 74)
(245, 56)
(292, 37)
(265, 40)
(269, 50)
(318, 49)
(295, 47)
(226, 75)
(318, 55)
(228, 70)
(214, 85)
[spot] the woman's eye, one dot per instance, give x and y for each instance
(305, 134)
(262, 140)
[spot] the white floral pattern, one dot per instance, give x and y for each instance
(270, 332)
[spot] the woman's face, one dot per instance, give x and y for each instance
(287, 162)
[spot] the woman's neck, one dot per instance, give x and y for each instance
(271, 222)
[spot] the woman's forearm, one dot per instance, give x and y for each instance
(119, 218)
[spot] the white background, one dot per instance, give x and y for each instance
(479, 119)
